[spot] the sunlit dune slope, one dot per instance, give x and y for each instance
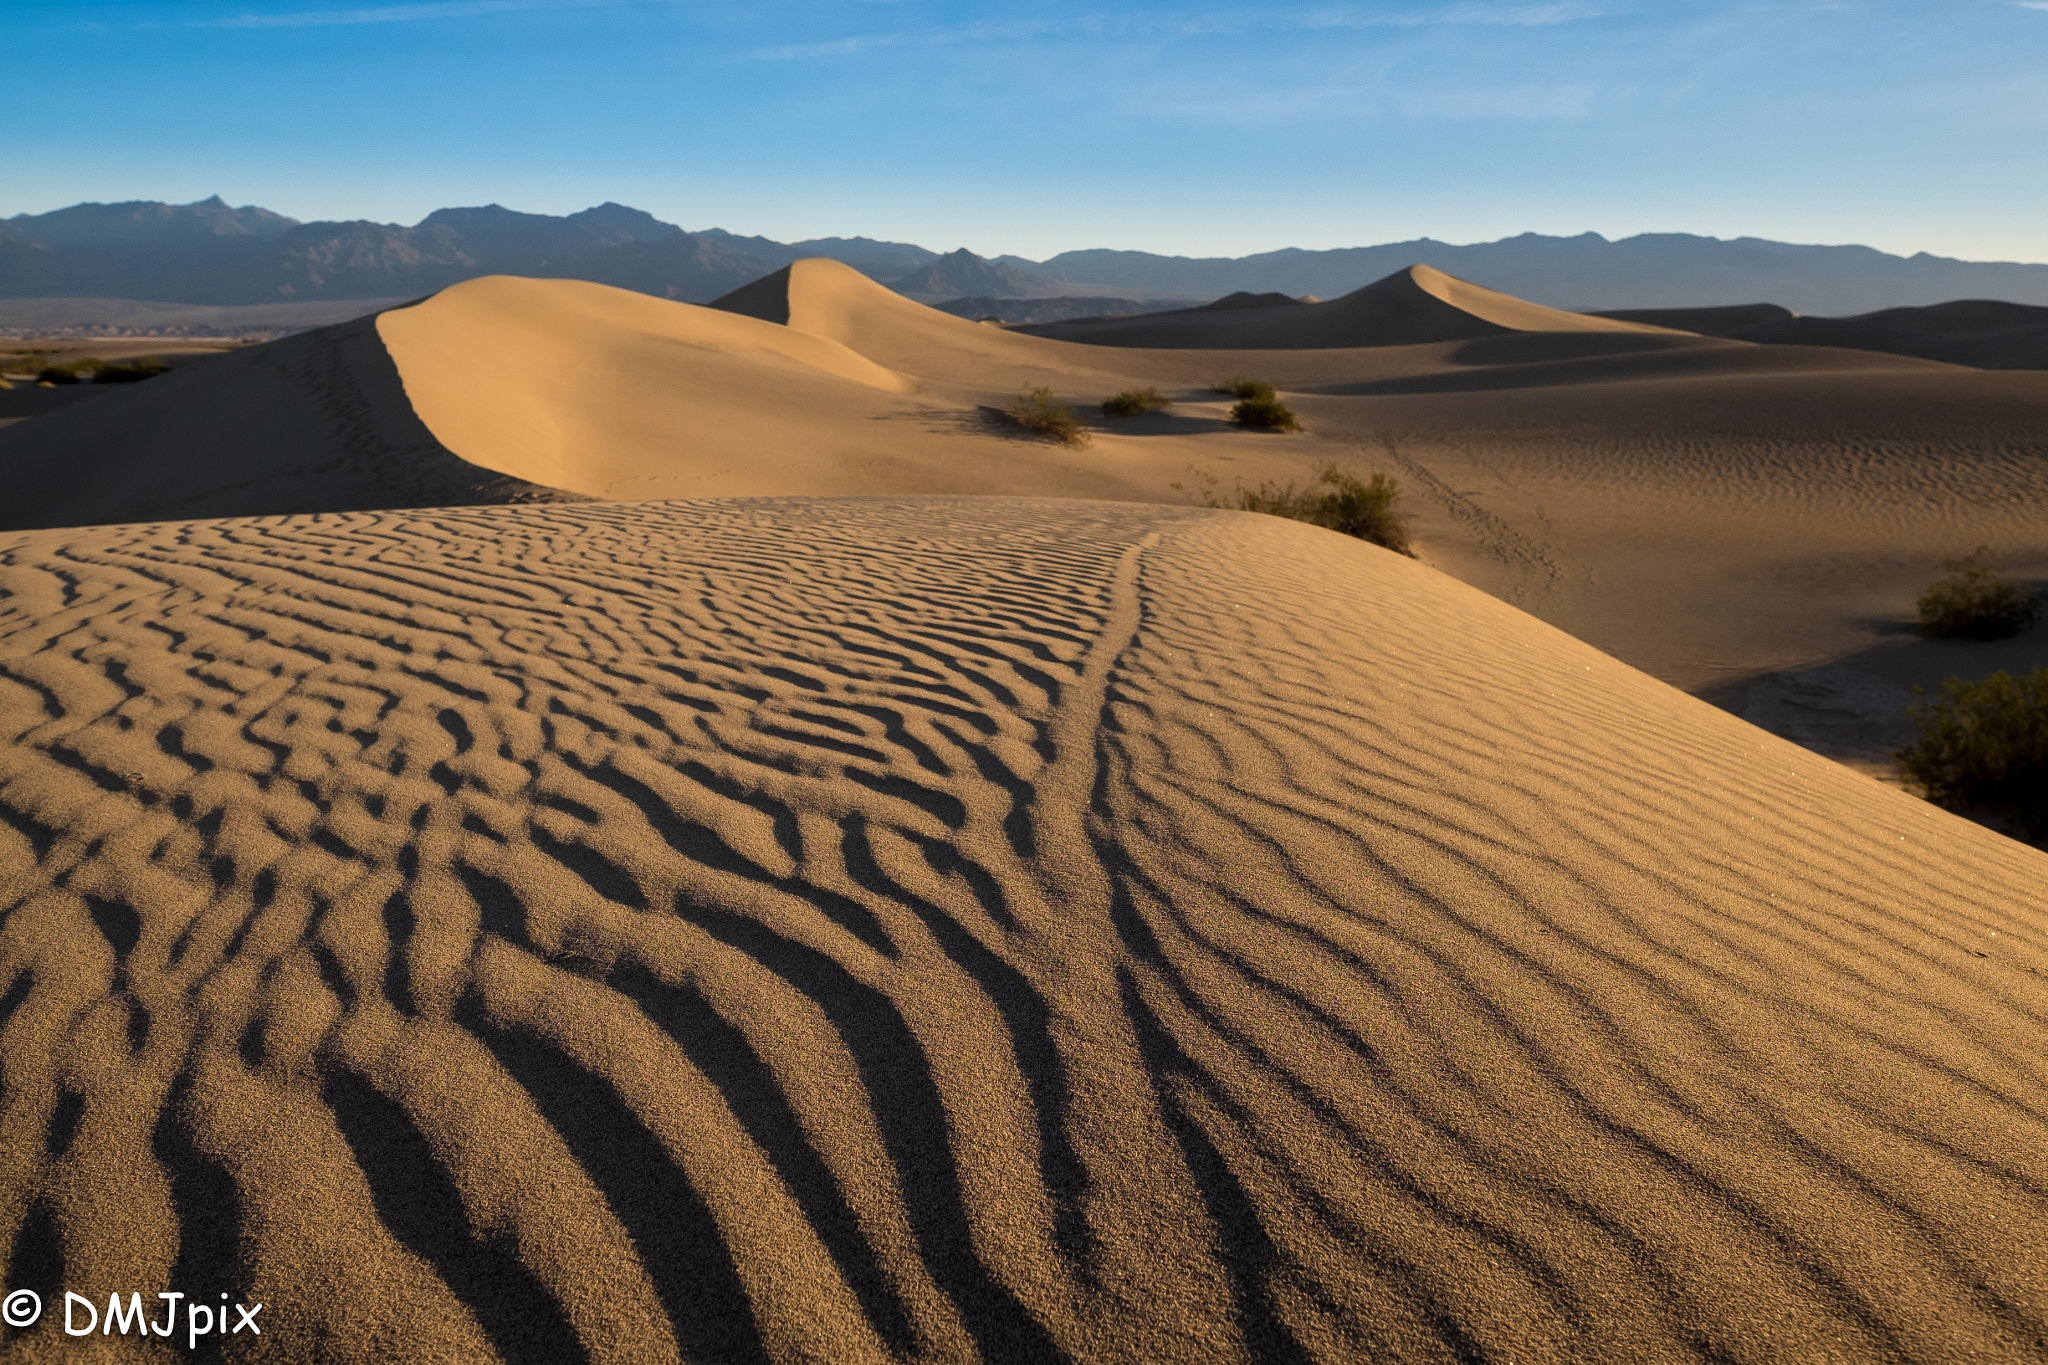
(315, 422)
(580, 385)
(1410, 307)
(956, 929)
(825, 298)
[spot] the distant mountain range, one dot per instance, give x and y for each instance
(209, 253)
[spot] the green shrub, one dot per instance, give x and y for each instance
(1264, 414)
(1037, 411)
(1976, 602)
(147, 367)
(1338, 499)
(1134, 403)
(1246, 388)
(1985, 744)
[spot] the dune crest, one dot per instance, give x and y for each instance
(949, 929)
(826, 298)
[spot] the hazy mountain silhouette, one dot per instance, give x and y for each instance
(209, 253)
(962, 274)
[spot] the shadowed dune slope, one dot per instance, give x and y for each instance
(939, 929)
(1410, 307)
(317, 421)
(1727, 320)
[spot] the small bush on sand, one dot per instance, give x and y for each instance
(146, 367)
(1037, 411)
(1246, 388)
(1338, 499)
(1134, 403)
(1264, 414)
(1976, 602)
(1985, 744)
(71, 371)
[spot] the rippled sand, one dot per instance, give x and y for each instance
(937, 929)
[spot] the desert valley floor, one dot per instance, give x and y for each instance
(548, 824)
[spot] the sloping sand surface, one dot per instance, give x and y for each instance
(1764, 509)
(949, 929)
(569, 384)
(824, 298)
(317, 421)
(1410, 307)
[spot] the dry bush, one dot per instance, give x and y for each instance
(71, 371)
(1038, 411)
(1338, 500)
(1976, 602)
(1134, 403)
(1246, 388)
(1264, 414)
(1985, 744)
(143, 367)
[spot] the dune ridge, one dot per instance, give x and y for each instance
(941, 929)
(317, 421)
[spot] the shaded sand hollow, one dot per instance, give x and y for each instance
(925, 929)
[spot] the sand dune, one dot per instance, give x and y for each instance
(312, 422)
(953, 929)
(569, 384)
(823, 298)
(1411, 307)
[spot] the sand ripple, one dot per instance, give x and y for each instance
(940, 929)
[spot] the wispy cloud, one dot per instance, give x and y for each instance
(392, 14)
(2032, 4)
(1146, 24)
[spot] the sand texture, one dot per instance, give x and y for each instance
(953, 929)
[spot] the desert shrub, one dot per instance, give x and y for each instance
(1264, 414)
(146, 367)
(1134, 403)
(1337, 499)
(1985, 744)
(1976, 602)
(71, 371)
(1246, 388)
(1037, 411)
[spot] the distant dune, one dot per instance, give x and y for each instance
(1413, 307)
(969, 929)
(1981, 333)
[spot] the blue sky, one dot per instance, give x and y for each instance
(1034, 128)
